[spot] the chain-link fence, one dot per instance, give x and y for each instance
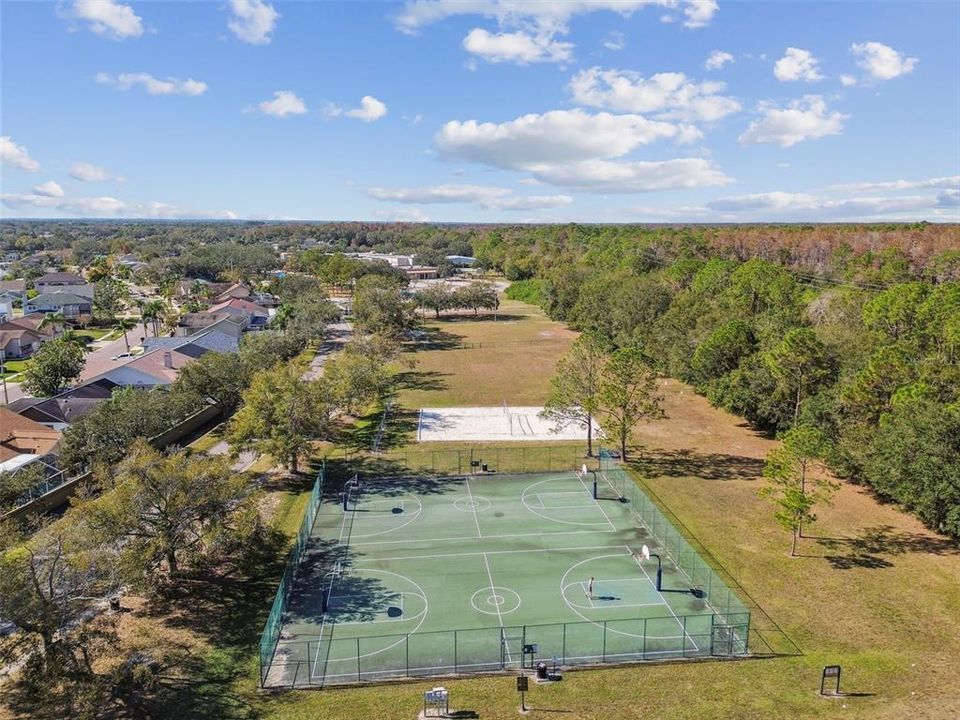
(271, 629)
(337, 661)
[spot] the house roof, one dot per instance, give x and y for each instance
(203, 319)
(196, 345)
(153, 364)
(30, 321)
(21, 334)
(19, 286)
(20, 435)
(243, 305)
(61, 278)
(59, 298)
(237, 290)
(68, 406)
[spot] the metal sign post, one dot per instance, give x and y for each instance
(522, 687)
(830, 671)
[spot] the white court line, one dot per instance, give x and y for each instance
(476, 519)
(488, 537)
(499, 616)
(487, 552)
(596, 502)
(682, 628)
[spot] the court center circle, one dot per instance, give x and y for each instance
(495, 600)
(476, 503)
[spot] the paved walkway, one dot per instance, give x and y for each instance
(244, 461)
(338, 335)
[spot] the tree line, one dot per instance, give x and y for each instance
(872, 369)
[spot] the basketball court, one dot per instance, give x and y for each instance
(428, 576)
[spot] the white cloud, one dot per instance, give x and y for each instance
(557, 136)
(106, 17)
(804, 119)
(252, 21)
(633, 177)
(699, 13)
(573, 148)
(106, 206)
(806, 206)
(848, 80)
(284, 103)
(797, 64)
(492, 198)
(672, 94)
(516, 47)
(615, 40)
(882, 62)
(90, 173)
(16, 155)
(717, 59)
(949, 198)
(154, 86)
(370, 109)
(950, 181)
(48, 189)
(528, 30)
(551, 15)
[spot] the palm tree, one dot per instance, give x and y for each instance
(72, 336)
(153, 311)
(123, 325)
(52, 318)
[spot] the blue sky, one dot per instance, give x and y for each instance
(481, 110)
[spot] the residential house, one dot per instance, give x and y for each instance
(63, 282)
(235, 291)
(13, 290)
(193, 323)
(36, 322)
(59, 411)
(157, 367)
(18, 342)
(6, 310)
(223, 336)
(74, 307)
(257, 317)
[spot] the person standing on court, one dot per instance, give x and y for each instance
(590, 588)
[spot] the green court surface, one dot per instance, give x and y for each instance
(428, 576)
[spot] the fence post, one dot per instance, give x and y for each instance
(713, 617)
(406, 645)
(604, 656)
(645, 638)
(459, 465)
(358, 659)
(563, 645)
(683, 647)
(456, 664)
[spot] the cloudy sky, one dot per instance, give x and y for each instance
(481, 110)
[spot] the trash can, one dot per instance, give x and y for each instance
(541, 671)
(484, 467)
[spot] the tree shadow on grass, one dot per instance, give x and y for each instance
(420, 380)
(710, 466)
(361, 436)
(874, 545)
(431, 338)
